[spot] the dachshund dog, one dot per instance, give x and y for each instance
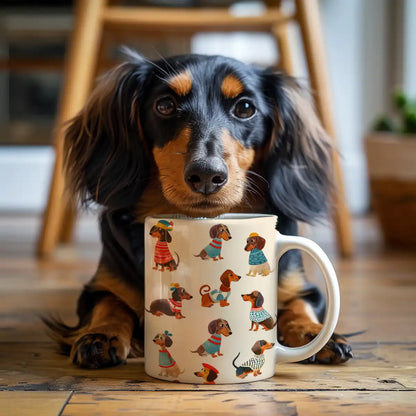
(199, 136)
(212, 345)
(254, 364)
(168, 366)
(208, 373)
(209, 297)
(171, 306)
(218, 233)
(257, 260)
(258, 315)
(163, 257)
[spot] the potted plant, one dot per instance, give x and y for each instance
(391, 163)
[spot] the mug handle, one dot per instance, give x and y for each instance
(285, 243)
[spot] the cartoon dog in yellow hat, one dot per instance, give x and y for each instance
(257, 260)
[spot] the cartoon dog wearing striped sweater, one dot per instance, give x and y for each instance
(171, 306)
(255, 363)
(218, 233)
(168, 366)
(163, 256)
(257, 260)
(212, 345)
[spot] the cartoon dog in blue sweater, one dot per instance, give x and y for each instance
(212, 345)
(218, 233)
(167, 364)
(257, 260)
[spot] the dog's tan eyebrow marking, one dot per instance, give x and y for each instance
(181, 83)
(231, 86)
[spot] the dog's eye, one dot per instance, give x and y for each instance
(244, 109)
(166, 106)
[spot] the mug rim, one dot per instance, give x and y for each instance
(228, 216)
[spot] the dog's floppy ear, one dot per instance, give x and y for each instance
(168, 341)
(298, 158)
(256, 348)
(259, 300)
(212, 326)
(168, 236)
(213, 231)
(105, 153)
(261, 242)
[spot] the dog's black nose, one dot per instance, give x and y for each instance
(206, 176)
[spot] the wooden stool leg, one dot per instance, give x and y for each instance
(70, 214)
(79, 74)
(309, 21)
(280, 32)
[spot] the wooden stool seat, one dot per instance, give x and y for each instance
(94, 18)
(189, 20)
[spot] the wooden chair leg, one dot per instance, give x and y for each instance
(309, 22)
(79, 75)
(280, 32)
(70, 215)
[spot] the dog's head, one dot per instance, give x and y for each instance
(255, 241)
(178, 293)
(163, 340)
(220, 231)
(255, 297)
(229, 276)
(260, 346)
(219, 326)
(199, 127)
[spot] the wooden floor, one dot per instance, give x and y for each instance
(378, 289)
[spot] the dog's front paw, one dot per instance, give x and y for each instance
(98, 351)
(336, 350)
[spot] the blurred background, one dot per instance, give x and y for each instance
(370, 47)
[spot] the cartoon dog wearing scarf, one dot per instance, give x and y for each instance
(168, 366)
(171, 306)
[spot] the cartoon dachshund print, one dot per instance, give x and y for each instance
(212, 345)
(168, 366)
(258, 315)
(255, 363)
(209, 297)
(218, 233)
(257, 260)
(163, 256)
(171, 306)
(208, 373)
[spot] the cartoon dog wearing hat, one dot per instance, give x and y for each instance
(163, 256)
(208, 373)
(257, 260)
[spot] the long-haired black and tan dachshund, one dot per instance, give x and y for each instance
(201, 136)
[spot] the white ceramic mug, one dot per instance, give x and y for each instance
(211, 298)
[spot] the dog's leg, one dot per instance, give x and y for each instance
(106, 340)
(298, 325)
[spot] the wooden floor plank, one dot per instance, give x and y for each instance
(30, 403)
(242, 403)
(376, 367)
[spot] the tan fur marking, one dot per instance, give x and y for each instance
(181, 83)
(296, 325)
(231, 86)
(106, 281)
(290, 287)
